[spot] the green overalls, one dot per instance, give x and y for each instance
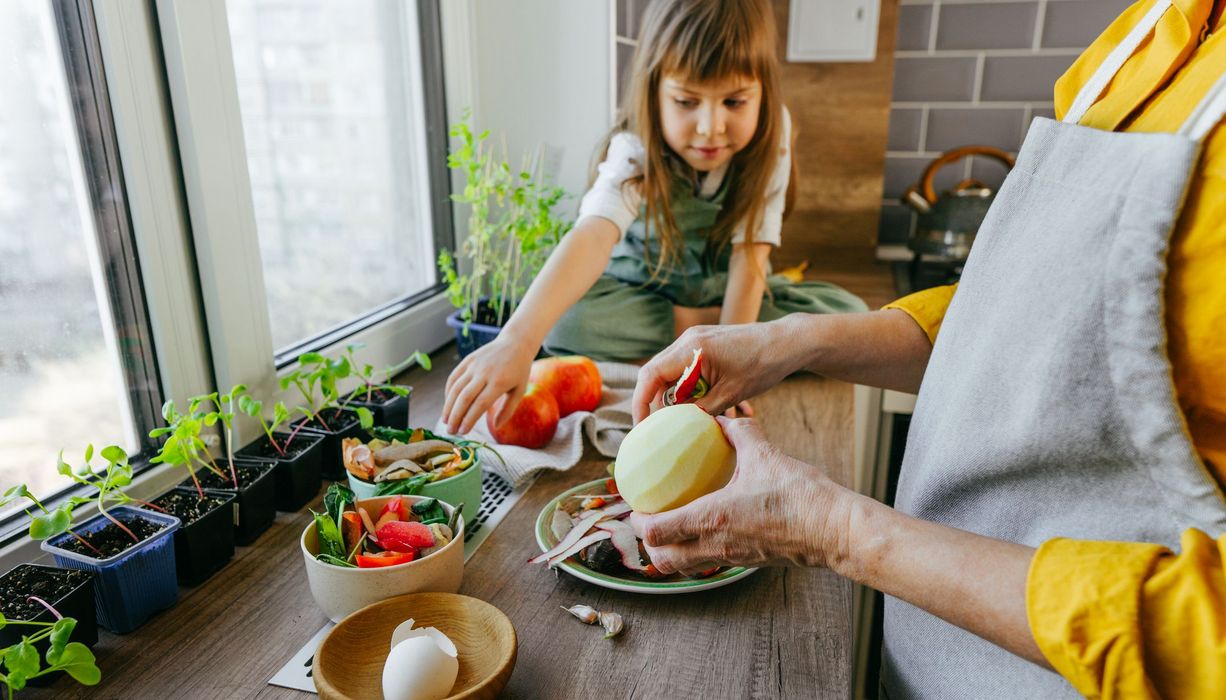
(628, 316)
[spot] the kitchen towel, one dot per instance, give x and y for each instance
(605, 428)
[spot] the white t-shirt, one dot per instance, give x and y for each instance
(624, 160)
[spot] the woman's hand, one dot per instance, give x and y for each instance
(738, 362)
(497, 369)
(776, 510)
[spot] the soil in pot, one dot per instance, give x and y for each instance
(205, 540)
(389, 409)
(69, 591)
(263, 449)
(256, 496)
(111, 540)
(298, 470)
(47, 583)
(337, 425)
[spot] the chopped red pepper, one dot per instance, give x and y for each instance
(373, 561)
(610, 485)
(405, 536)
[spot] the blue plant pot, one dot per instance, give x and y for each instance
(478, 334)
(134, 584)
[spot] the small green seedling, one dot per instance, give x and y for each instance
(21, 662)
(184, 447)
(109, 483)
(280, 414)
(366, 374)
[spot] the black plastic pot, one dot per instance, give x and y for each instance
(205, 544)
(77, 603)
(298, 472)
(393, 413)
(342, 424)
(254, 507)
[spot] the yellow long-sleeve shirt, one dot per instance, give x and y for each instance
(1130, 619)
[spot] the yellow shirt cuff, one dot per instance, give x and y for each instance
(926, 307)
(1084, 605)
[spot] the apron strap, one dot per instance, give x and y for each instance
(1114, 61)
(1208, 113)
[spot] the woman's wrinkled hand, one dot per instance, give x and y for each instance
(738, 362)
(776, 510)
(499, 368)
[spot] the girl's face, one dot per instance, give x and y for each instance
(707, 123)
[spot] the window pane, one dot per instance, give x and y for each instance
(62, 383)
(335, 137)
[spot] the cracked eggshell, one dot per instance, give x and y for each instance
(419, 669)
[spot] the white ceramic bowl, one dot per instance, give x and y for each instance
(340, 591)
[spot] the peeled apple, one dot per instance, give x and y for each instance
(674, 456)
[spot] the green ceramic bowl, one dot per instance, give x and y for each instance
(464, 487)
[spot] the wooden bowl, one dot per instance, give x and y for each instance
(349, 663)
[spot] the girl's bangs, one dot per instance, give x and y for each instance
(715, 41)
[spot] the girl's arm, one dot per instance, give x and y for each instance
(746, 283)
(501, 367)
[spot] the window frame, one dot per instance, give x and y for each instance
(122, 131)
(200, 74)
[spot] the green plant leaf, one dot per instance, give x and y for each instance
(61, 466)
(79, 662)
(21, 659)
(365, 417)
(250, 406)
(280, 414)
(51, 524)
(310, 358)
(60, 632)
(89, 452)
(329, 535)
(113, 454)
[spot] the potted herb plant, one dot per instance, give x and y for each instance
(316, 380)
(27, 642)
(251, 481)
(388, 402)
(511, 231)
(298, 454)
(128, 550)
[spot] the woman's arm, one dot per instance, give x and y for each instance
(501, 368)
(746, 283)
(975, 582)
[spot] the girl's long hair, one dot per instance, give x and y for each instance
(703, 41)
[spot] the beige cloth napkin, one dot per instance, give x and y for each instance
(605, 428)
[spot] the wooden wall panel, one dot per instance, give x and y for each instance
(842, 113)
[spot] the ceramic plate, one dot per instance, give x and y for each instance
(545, 540)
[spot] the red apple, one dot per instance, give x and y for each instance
(574, 381)
(532, 425)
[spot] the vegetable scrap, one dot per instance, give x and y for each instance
(402, 461)
(592, 528)
(401, 532)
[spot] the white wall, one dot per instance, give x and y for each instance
(538, 72)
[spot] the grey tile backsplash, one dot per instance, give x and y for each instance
(975, 72)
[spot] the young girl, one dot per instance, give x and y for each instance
(677, 228)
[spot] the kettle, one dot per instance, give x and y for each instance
(947, 224)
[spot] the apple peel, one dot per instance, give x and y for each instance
(690, 386)
(624, 541)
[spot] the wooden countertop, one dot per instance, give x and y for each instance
(778, 633)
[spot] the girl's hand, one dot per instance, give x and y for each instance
(738, 362)
(490, 372)
(776, 511)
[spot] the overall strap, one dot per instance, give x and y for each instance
(1208, 113)
(1115, 60)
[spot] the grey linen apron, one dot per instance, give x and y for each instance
(1048, 406)
(628, 313)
